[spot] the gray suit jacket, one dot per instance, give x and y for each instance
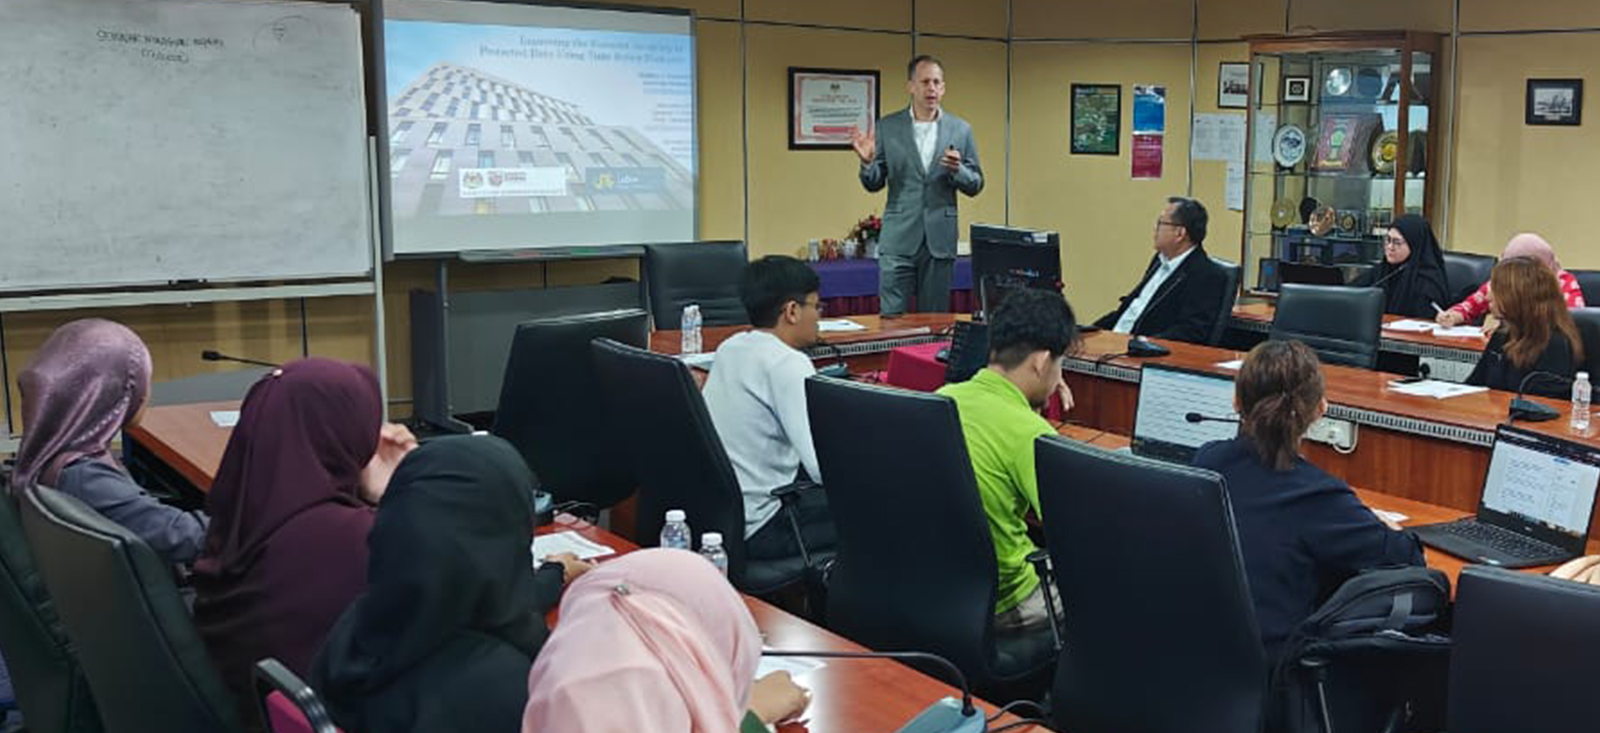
(921, 202)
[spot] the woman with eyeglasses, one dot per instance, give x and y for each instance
(1412, 272)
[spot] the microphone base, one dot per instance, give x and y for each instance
(1530, 411)
(944, 716)
(1140, 347)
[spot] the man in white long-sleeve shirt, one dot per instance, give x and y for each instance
(757, 399)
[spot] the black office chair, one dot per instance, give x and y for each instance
(969, 351)
(916, 568)
(272, 677)
(1589, 283)
(552, 410)
(1466, 272)
(50, 687)
(1160, 632)
(1233, 273)
(706, 273)
(1527, 653)
(1342, 324)
(146, 664)
(1588, 322)
(661, 421)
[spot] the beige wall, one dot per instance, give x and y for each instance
(1503, 175)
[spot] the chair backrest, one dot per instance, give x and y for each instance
(695, 272)
(1341, 324)
(969, 351)
(925, 580)
(1526, 653)
(1588, 322)
(288, 704)
(45, 674)
(1589, 283)
(656, 410)
(552, 410)
(139, 649)
(1466, 272)
(1160, 632)
(1232, 273)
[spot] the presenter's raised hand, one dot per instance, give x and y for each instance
(866, 145)
(951, 159)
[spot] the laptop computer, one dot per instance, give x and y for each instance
(1167, 397)
(1303, 273)
(1538, 498)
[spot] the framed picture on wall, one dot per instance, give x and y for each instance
(1554, 102)
(1233, 85)
(828, 107)
(1096, 119)
(1297, 89)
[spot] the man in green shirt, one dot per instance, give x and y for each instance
(1028, 336)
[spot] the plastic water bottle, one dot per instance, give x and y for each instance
(675, 533)
(711, 549)
(691, 329)
(1580, 403)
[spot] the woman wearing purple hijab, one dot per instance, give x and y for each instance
(291, 508)
(89, 381)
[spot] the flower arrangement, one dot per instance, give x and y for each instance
(867, 230)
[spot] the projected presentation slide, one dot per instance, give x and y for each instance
(514, 126)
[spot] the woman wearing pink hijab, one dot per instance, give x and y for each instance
(1530, 246)
(655, 640)
(88, 381)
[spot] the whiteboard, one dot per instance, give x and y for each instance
(145, 141)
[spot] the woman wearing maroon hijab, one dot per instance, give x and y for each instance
(291, 507)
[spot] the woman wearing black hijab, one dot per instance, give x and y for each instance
(1412, 272)
(453, 614)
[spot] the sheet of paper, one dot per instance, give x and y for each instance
(1234, 364)
(795, 666)
(1395, 517)
(1474, 332)
(1436, 389)
(1411, 326)
(1234, 194)
(701, 360)
(556, 543)
(225, 418)
(1218, 137)
(839, 324)
(1266, 128)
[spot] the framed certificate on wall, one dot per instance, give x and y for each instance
(828, 107)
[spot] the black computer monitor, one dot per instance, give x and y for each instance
(1006, 257)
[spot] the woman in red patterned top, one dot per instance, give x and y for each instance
(1531, 246)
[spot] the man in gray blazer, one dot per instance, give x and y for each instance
(925, 156)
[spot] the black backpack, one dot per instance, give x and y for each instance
(1374, 658)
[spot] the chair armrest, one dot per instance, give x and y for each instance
(790, 493)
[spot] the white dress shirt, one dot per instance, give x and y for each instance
(1130, 317)
(927, 136)
(756, 395)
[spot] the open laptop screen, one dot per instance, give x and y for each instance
(1166, 396)
(1541, 486)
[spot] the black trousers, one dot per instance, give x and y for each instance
(775, 540)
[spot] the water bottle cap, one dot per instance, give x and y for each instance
(711, 539)
(675, 515)
(1583, 375)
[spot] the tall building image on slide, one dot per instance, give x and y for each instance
(464, 142)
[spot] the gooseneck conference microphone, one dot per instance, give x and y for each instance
(945, 715)
(1196, 417)
(213, 355)
(1385, 278)
(1528, 410)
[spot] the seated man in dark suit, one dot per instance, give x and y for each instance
(1182, 290)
